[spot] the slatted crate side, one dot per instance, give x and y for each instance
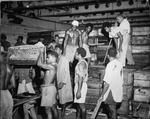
(141, 30)
(142, 83)
(127, 92)
(140, 48)
(141, 59)
(142, 94)
(94, 92)
(128, 76)
(141, 110)
(96, 72)
(140, 40)
(142, 75)
(142, 78)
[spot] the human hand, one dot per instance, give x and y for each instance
(60, 85)
(78, 95)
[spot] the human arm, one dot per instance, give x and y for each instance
(121, 40)
(81, 76)
(43, 65)
(80, 39)
(65, 42)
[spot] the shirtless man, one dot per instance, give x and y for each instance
(7, 82)
(48, 87)
(72, 41)
(85, 38)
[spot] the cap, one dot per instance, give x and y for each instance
(75, 23)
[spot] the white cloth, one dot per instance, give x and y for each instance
(63, 75)
(48, 96)
(25, 87)
(84, 75)
(124, 27)
(114, 31)
(6, 105)
(113, 76)
(70, 52)
(124, 30)
(88, 54)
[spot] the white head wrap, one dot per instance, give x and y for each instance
(75, 23)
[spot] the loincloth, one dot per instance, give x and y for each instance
(70, 52)
(83, 93)
(6, 104)
(48, 95)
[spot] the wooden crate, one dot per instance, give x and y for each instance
(140, 48)
(140, 40)
(141, 110)
(141, 58)
(128, 76)
(127, 92)
(96, 71)
(142, 94)
(142, 78)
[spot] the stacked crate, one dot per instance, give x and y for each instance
(127, 91)
(95, 77)
(140, 40)
(141, 101)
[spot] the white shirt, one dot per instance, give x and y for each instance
(124, 27)
(114, 31)
(113, 76)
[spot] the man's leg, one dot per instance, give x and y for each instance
(83, 110)
(48, 112)
(78, 111)
(33, 113)
(55, 111)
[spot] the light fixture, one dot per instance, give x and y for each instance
(118, 3)
(131, 2)
(96, 5)
(86, 6)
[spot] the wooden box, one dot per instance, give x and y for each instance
(142, 94)
(142, 78)
(141, 58)
(140, 48)
(141, 110)
(128, 76)
(25, 54)
(127, 92)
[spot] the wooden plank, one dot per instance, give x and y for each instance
(140, 48)
(142, 75)
(140, 40)
(142, 83)
(141, 59)
(95, 112)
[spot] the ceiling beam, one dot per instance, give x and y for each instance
(96, 12)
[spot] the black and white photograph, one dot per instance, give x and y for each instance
(75, 59)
